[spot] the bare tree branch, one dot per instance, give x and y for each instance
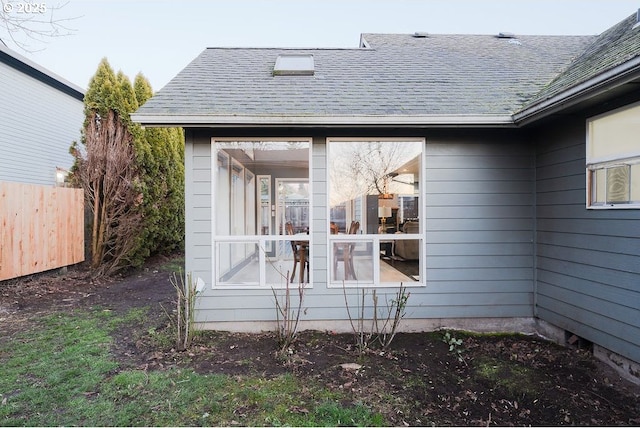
(25, 21)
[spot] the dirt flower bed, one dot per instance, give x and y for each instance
(485, 380)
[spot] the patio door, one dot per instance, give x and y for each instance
(292, 206)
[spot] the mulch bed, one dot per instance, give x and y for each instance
(492, 380)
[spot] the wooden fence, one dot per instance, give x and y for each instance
(41, 228)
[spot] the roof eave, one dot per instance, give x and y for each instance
(25, 65)
(614, 77)
(409, 121)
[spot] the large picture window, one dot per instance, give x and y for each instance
(613, 159)
(375, 196)
(261, 195)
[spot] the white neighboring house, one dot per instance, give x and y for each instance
(41, 114)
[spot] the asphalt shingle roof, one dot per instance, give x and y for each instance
(397, 75)
(480, 74)
(617, 45)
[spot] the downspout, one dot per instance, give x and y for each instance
(535, 231)
(612, 78)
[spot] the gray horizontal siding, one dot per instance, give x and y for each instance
(479, 276)
(479, 210)
(38, 124)
(329, 304)
(612, 261)
(198, 208)
(479, 233)
(588, 261)
(593, 326)
(572, 223)
(232, 312)
(587, 273)
(486, 236)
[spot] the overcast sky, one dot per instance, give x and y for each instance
(160, 37)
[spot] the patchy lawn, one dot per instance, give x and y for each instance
(238, 379)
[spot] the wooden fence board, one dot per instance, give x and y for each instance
(41, 228)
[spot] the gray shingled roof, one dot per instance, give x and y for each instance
(448, 78)
(618, 45)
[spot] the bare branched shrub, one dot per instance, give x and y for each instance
(106, 171)
(393, 313)
(363, 336)
(384, 322)
(288, 316)
(184, 317)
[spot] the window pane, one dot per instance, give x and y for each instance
(618, 184)
(352, 261)
(392, 268)
(614, 136)
(635, 183)
(378, 185)
(600, 185)
(258, 187)
(223, 190)
(374, 182)
(280, 264)
(237, 263)
(241, 204)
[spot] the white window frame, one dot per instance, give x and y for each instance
(262, 241)
(376, 238)
(603, 162)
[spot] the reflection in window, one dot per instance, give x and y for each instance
(615, 185)
(378, 185)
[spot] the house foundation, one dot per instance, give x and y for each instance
(479, 325)
(625, 367)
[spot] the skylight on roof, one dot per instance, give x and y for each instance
(294, 65)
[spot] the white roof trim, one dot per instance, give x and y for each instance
(27, 62)
(406, 121)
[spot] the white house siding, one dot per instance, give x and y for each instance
(588, 261)
(38, 124)
(479, 231)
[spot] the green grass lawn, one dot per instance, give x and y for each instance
(61, 373)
